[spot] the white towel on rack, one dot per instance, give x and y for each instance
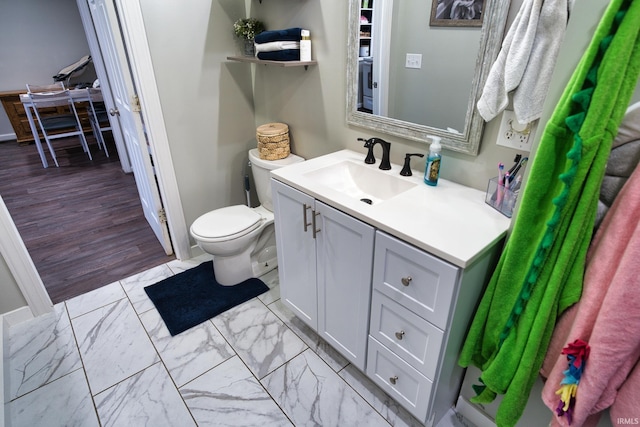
(276, 46)
(526, 61)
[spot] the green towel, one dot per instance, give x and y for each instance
(541, 269)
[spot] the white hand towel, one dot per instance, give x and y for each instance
(276, 46)
(526, 61)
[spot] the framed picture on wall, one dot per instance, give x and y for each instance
(456, 13)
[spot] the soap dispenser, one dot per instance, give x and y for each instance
(432, 170)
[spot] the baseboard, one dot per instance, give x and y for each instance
(7, 137)
(4, 390)
(196, 251)
(19, 315)
(6, 321)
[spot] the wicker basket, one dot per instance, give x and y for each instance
(273, 141)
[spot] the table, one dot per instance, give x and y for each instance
(78, 95)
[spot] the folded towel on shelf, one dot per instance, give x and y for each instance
(281, 55)
(276, 46)
(290, 34)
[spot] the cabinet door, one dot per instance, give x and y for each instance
(296, 251)
(345, 257)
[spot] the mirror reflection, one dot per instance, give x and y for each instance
(411, 77)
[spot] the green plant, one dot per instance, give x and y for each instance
(247, 28)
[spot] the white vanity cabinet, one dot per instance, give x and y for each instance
(296, 252)
(413, 301)
(391, 285)
(325, 263)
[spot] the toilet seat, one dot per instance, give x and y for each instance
(226, 224)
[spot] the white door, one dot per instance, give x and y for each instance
(107, 28)
(344, 248)
(296, 251)
(380, 48)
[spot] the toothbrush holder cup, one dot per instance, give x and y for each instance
(500, 198)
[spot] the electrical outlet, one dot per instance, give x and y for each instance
(414, 60)
(513, 134)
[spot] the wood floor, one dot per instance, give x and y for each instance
(82, 223)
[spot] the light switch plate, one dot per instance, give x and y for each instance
(414, 60)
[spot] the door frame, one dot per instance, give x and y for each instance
(142, 72)
(135, 39)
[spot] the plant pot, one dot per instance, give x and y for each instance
(249, 48)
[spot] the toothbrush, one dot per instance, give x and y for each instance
(515, 164)
(516, 186)
(520, 164)
(500, 184)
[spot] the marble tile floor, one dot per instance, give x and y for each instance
(106, 359)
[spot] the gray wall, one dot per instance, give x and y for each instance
(207, 101)
(37, 39)
(212, 106)
(313, 101)
(11, 297)
(437, 94)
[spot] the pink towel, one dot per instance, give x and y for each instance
(607, 317)
(626, 405)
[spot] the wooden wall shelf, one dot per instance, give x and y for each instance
(252, 60)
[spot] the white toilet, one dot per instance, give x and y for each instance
(242, 239)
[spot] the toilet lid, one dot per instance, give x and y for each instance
(226, 222)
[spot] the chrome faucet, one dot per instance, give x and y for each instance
(386, 148)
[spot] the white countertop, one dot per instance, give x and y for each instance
(449, 220)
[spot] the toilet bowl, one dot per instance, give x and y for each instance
(242, 239)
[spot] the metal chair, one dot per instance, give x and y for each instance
(55, 125)
(98, 117)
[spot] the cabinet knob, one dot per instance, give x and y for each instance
(393, 379)
(407, 280)
(400, 335)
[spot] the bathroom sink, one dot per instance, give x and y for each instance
(364, 182)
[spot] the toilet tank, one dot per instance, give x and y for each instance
(260, 170)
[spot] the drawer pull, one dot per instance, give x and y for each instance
(304, 216)
(407, 280)
(393, 380)
(313, 224)
(400, 335)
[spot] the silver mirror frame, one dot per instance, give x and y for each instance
(467, 142)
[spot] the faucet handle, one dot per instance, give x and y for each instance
(406, 169)
(368, 143)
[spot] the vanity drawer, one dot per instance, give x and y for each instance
(408, 335)
(406, 385)
(413, 278)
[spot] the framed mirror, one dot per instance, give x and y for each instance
(408, 78)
